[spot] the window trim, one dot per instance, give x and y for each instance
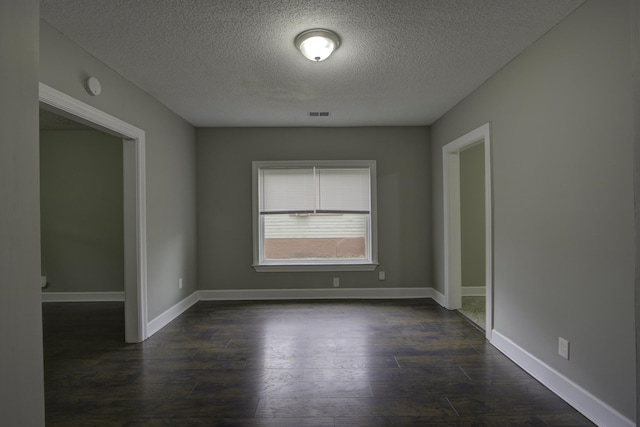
(306, 266)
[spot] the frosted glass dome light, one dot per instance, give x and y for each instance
(317, 44)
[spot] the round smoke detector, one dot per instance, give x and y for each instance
(93, 86)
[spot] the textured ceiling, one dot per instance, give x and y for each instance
(233, 62)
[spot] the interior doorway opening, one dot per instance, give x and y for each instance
(134, 200)
(81, 212)
(454, 187)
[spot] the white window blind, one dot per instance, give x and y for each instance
(315, 190)
(343, 190)
(287, 191)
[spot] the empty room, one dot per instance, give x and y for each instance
(349, 213)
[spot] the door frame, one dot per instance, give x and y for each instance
(452, 232)
(135, 218)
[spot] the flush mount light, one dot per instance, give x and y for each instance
(317, 44)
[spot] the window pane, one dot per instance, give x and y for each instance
(344, 190)
(314, 215)
(287, 190)
(328, 236)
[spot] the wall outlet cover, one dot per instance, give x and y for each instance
(563, 347)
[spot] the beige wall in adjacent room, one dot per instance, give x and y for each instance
(472, 216)
(81, 211)
(224, 202)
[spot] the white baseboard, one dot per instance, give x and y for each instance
(474, 291)
(583, 401)
(437, 296)
(328, 293)
(170, 314)
(82, 296)
(282, 294)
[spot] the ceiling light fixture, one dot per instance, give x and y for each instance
(317, 44)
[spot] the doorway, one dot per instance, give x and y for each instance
(456, 222)
(81, 212)
(134, 200)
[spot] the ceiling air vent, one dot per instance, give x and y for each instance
(319, 114)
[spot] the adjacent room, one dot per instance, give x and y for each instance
(429, 220)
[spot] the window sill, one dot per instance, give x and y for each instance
(304, 268)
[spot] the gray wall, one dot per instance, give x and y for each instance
(170, 162)
(224, 202)
(81, 211)
(562, 128)
(635, 58)
(472, 214)
(21, 375)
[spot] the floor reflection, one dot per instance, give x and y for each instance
(284, 364)
(330, 346)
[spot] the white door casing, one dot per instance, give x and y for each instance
(135, 239)
(452, 233)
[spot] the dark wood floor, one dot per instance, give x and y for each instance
(345, 363)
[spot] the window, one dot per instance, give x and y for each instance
(314, 216)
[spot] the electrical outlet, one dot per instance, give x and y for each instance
(563, 347)
(180, 283)
(336, 282)
(43, 281)
(381, 275)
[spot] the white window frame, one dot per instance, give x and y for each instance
(260, 265)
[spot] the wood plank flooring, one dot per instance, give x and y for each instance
(285, 364)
